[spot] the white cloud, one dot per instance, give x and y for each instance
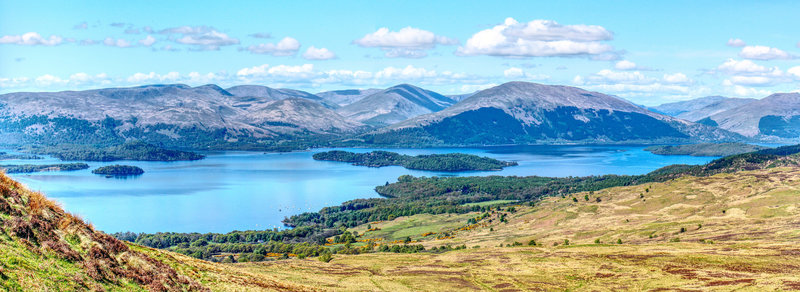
(625, 65)
(255, 70)
(147, 41)
(519, 74)
(408, 42)
(405, 53)
(513, 72)
(313, 53)
(677, 78)
(407, 37)
(286, 47)
(140, 78)
(407, 73)
(794, 72)
(540, 38)
(476, 87)
(764, 53)
(31, 39)
(735, 43)
(748, 73)
(732, 66)
(119, 43)
(200, 37)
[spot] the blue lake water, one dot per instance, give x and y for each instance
(253, 190)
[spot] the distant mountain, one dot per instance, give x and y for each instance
(700, 108)
(777, 115)
(395, 104)
(270, 94)
(521, 112)
(460, 97)
(347, 96)
(176, 115)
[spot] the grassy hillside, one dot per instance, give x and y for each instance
(705, 149)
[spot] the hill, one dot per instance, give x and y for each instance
(525, 113)
(395, 104)
(700, 108)
(777, 115)
(433, 162)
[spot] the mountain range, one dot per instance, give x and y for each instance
(522, 112)
(177, 115)
(772, 118)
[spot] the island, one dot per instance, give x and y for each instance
(9, 156)
(434, 162)
(119, 170)
(134, 150)
(29, 168)
(705, 149)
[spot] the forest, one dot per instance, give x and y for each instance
(433, 162)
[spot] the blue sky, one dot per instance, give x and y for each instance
(647, 52)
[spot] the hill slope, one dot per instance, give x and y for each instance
(395, 104)
(523, 113)
(701, 108)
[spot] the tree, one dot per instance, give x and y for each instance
(619, 241)
(532, 242)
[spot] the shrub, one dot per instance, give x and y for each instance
(327, 257)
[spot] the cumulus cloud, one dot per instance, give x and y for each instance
(31, 39)
(748, 73)
(540, 38)
(636, 84)
(794, 72)
(738, 43)
(764, 53)
(313, 53)
(520, 74)
(147, 41)
(119, 43)
(138, 78)
(625, 65)
(408, 42)
(203, 38)
(286, 47)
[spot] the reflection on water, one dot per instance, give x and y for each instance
(252, 190)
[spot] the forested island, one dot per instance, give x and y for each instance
(119, 170)
(28, 168)
(433, 162)
(135, 150)
(705, 149)
(9, 156)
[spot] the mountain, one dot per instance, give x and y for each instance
(395, 104)
(777, 115)
(172, 115)
(347, 96)
(460, 97)
(700, 108)
(523, 113)
(268, 93)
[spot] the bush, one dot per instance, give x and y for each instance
(326, 257)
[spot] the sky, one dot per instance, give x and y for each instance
(649, 52)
